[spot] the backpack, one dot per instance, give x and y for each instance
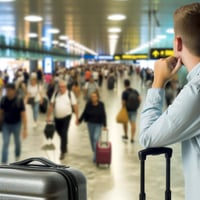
(133, 102)
(111, 82)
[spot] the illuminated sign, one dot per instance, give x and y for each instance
(99, 57)
(48, 65)
(131, 57)
(160, 53)
(106, 57)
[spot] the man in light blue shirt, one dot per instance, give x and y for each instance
(181, 121)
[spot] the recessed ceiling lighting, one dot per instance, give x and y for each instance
(63, 37)
(7, 28)
(33, 18)
(116, 17)
(170, 30)
(55, 42)
(114, 30)
(32, 35)
(54, 31)
(7, 0)
(113, 37)
(45, 39)
(161, 36)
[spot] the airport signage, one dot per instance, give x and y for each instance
(157, 53)
(98, 57)
(131, 57)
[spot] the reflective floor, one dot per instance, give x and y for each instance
(121, 179)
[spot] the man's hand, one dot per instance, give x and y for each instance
(164, 70)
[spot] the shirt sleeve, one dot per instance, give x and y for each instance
(73, 99)
(178, 123)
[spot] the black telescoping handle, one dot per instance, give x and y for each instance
(43, 161)
(155, 151)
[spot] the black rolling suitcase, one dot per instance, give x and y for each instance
(44, 180)
(155, 151)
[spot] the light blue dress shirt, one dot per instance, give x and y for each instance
(179, 123)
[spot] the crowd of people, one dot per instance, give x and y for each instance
(58, 96)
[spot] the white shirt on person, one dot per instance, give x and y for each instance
(35, 91)
(63, 104)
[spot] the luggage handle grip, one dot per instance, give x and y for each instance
(155, 151)
(43, 161)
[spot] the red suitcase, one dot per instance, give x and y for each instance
(103, 151)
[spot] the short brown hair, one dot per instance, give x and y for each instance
(187, 26)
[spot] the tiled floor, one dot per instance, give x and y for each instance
(121, 179)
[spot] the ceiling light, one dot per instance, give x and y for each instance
(113, 37)
(116, 17)
(61, 44)
(71, 42)
(7, 0)
(32, 35)
(45, 39)
(55, 42)
(170, 30)
(114, 30)
(63, 37)
(7, 28)
(54, 31)
(33, 18)
(161, 36)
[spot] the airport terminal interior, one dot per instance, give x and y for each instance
(62, 39)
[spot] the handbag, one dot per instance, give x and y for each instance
(122, 116)
(49, 130)
(31, 100)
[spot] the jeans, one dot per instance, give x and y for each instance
(35, 109)
(62, 126)
(7, 130)
(94, 134)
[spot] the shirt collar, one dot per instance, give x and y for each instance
(195, 71)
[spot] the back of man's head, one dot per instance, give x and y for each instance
(11, 86)
(187, 26)
(127, 83)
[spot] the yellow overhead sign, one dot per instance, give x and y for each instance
(161, 53)
(131, 57)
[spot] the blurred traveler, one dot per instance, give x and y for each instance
(63, 103)
(88, 75)
(181, 121)
(51, 88)
(34, 96)
(90, 87)
(111, 80)
(76, 89)
(12, 116)
(131, 100)
(95, 116)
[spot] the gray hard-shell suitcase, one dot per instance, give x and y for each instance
(41, 179)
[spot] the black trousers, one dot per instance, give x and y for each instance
(62, 127)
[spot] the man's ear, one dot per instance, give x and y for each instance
(178, 46)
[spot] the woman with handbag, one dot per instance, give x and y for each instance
(95, 116)
(34, 96)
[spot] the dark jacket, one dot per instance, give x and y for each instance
(94, 114)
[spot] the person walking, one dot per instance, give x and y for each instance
(180, 122)
(34, 97)
(63, 103)
(12, 117)
(90, 87)
(95, 116)
(131, 100)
